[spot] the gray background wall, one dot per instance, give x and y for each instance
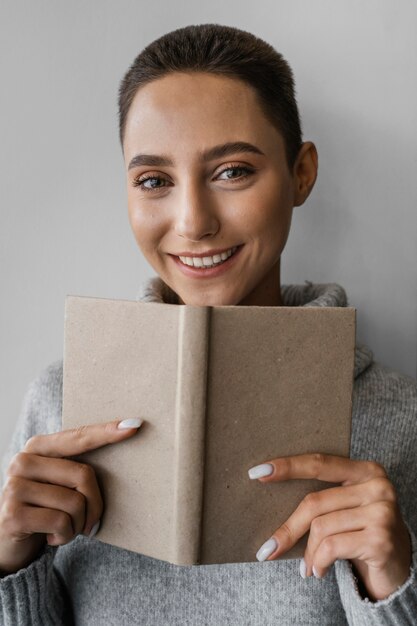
(63, 216)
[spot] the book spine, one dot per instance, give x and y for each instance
(190, 416)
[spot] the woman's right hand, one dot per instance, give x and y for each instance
(49, 499)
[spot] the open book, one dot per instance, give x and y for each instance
(220, 389)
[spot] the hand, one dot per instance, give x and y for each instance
(359, 520)
(51, 499)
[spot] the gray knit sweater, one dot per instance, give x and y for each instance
(90, 583)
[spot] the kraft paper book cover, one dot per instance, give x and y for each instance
(220, 389)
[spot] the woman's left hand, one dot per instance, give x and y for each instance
(359, 520)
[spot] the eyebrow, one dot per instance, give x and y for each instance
(216, 152)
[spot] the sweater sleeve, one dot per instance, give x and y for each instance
(399, 609)
(384, 429)
(35, 594)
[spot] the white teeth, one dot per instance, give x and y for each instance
(208, 261)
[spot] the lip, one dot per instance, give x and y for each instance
(209, 272)
(206, 253)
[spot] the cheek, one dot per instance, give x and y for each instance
(277, 229)
(147, 224)
(270, 225)
(270, 212)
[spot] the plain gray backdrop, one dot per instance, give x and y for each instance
(63, 218)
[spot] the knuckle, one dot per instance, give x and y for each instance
(376, 469)
(287, 532)
(80, 431)
(8, 524)
(318, 460)
(18, 464)
(32, 443)
(63, 524)
(9, 514)
(86, 473)
(390, 493)
(12, 488)
(385, 514)
(310, 501)
(317, 527)
(383, 489)
(76, 501)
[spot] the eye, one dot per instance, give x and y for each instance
(155, 182)
(234, 173)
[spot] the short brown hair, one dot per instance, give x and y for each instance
(220, 50)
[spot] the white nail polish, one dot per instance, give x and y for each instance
(94, 530)
(303, 569)
(261, 470)
(130, 423)
(315, 572)
(266, 549)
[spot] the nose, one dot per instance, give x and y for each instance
(195, 216)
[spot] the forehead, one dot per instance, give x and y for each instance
(187, 111)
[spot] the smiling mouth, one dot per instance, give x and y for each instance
(208, 261)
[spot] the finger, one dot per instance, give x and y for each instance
(23, 492)
(350, 545)
(319, 503)
(66, 473)
(26, 520)
(378, 518)
(77, 440)
(332, 524)
(326, 467)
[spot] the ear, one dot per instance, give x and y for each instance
(305, 172)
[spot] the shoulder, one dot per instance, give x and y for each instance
(386, 389)
(47, 385)
(49, 377)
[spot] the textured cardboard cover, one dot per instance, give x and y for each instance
(221, 389)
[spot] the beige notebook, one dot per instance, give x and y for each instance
(220, 389)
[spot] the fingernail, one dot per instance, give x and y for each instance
(130, 423)
(267, 549)
(261, 470)
(315, 572)
(303, 569)
(94, 529)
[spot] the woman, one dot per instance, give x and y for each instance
(215, 163)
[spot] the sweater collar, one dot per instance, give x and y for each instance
(307, 294)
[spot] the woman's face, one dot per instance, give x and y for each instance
(207, 178)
